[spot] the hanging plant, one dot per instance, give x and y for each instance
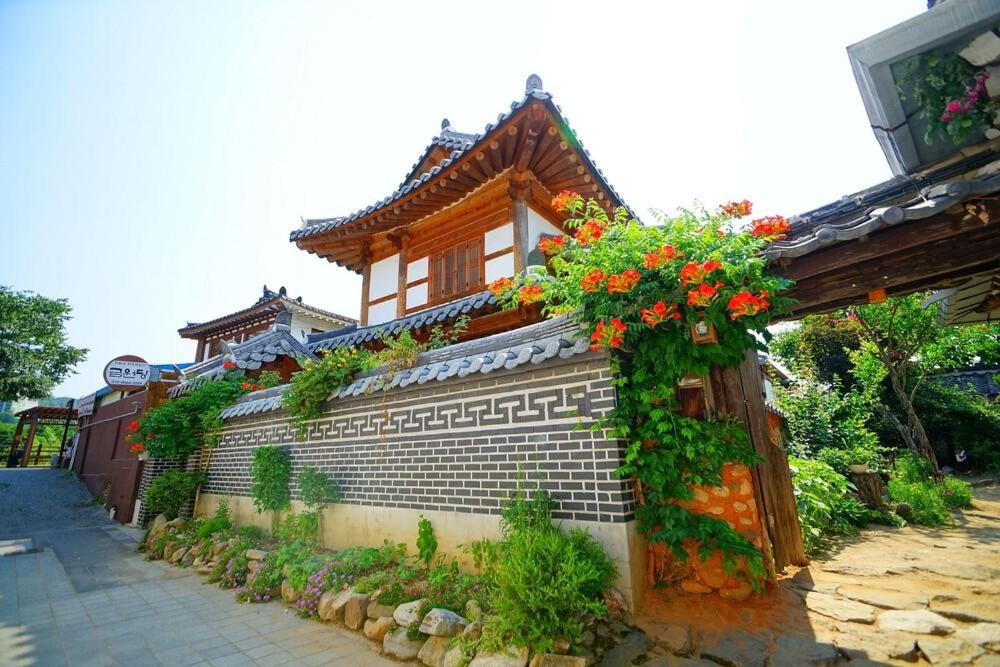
(640, 291)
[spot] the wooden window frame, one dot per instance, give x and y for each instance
(434, 297)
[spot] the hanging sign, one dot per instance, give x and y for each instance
(85, 405)
(127, 373)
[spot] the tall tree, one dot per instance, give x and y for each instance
(34, 354)
(902, 344)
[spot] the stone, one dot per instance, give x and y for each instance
(442, 623)
(904, 511)
(256, 554)
(794, 650)
(555, 660)
(738, 593)
(560, 646)
(433, 650)
(188, 558)
(396, 644)
(178, 554)
(713, 575)
(157, 526)
(692, 586)
(356, 611)
(916, 621)
(288, 592)
(986, 635)
(586, 638)
(408, 613)
(670, 636)
(376, 610)
(220, 547)
(512, 656)
(840, 608)
(332, 603)
(735, 647)
(455, 657)
(473, 631)
(883, 598)
(949, 651)
(175, 524)
(967, 609)
(615, 601)
(634, 645)
(168, 548)
(198, 562)
(204, 569)
(675, 661)
(473, 611)
(375, 628)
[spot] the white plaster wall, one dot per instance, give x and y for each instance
(500, 267)
(537, 225)
(416, 295)
(306, 323)
(382, 312)
(384, 278)
(416, 270)
(499, 238)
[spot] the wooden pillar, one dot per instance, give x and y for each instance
(519, 190)
(15, 442)
(30, 442)
(401, 240)
(366, 282)
(200, 352)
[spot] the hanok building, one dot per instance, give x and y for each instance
(242, 325)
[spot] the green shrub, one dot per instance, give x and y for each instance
(317, 488)
(957, 493)
(271, 471)
(168, 492)
(426, 542)
(213, 525)
(929, 500)
(298, 528)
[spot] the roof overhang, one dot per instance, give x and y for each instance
(899, 131)
(976, 301)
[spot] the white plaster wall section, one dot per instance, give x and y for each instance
(384, 278)
(416, 270)
(499, 238)
(537, 226)
(382, 312)
(416, 295)
(500, 267)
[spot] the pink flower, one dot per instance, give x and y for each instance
(954, 106)
(946, 117)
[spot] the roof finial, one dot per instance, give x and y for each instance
(534, 82)
(445, 123)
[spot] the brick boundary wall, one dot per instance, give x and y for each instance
(460, 445)
(151, 469)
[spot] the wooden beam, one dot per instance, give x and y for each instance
(366, 283)
(404, 245)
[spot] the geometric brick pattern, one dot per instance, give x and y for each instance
(458, 446)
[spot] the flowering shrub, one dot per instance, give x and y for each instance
(639, 290)
(951, 93)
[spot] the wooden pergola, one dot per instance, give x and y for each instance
(34, 417)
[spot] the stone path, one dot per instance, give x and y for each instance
(885, 597)
(81, 595)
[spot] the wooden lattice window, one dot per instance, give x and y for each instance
(456, 272)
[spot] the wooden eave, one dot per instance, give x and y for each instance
(535, 139)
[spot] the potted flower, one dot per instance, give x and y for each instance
(139, 450)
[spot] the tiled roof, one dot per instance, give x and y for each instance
(462, 143)
(436, 315)
(536, 344)
(890, 203)
(448, 139)
(985, 381)
(269, 302)
(249, 355)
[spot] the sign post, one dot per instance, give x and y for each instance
(127, 373)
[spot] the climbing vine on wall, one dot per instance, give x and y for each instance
(643, 292)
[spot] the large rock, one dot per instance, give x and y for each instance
(442, 623)
(168, 549)
(986, 635)
(188, 558)
(356, 611)
(221, 546)
(433, 650)
(376, 610)
(623, 655)
(916, 621)
(375, 628)
(512, 656)
(556, 660)
(840, 608)
(256, 554)
(178, 554)
(795, 650)
(408, 613)
(473, 611)
(455, 657)
(967, 608)
(947, 651)
(736, 647)
(332, 603)
(473, 631)
(157, 526)
(880, 597)
(673, 637)
(288, 592)
(399, 646)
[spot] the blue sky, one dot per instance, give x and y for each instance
(154, 156)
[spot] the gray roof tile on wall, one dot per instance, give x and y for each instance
(558, 338)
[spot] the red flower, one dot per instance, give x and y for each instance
(655, 260)
(745, 304)
(500, 286)
(773, 226)
(133, 426)
(592, 281)
(660, 312)
(737, 209)
(229, 365)
(552, 245)
(589, 231)
(608, 335)
(693, 272)
(564, 200)
(703, 295)
(623, 282)
(138, 448)
(530, 294)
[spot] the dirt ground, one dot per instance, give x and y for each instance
(887, 596)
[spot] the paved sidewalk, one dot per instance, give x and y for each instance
(84, 596)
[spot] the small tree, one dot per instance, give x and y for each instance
(317, 490)
(34, 355)
(271, 471)
(902, 343)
